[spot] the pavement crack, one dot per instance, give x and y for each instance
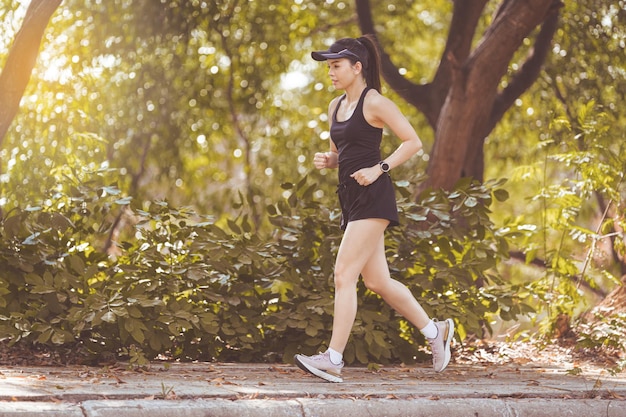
(302, 409)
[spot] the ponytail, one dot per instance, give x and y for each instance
(372, 72)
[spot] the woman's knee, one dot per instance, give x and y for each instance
(344, 279)
(377, 286)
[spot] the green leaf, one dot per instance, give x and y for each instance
(109, 317)
(124, 201)
(233, 226)
(470, 202)
(501, 194)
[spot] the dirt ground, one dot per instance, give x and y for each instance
(558, 353)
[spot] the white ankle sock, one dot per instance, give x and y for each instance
(430, 331)
(335, 357)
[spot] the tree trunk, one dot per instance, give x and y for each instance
(21, 60)
(462, 102)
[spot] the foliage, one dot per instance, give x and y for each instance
(49, 261)
(607, 331)
(437, 254)
(562, 151)
(195, 287)
(187, 95)
(575, 253)
(451, 251)
(176, 108)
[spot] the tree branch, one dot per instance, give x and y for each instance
(465, 16)
(21, 60)
(414, 94)
(530, 70)
(429, 98)
(458, 152)
(521, 257)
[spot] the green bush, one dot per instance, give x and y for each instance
(197, 288)
(574, 222)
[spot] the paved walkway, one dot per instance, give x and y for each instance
(220, 390)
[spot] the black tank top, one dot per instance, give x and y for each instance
(357, 141)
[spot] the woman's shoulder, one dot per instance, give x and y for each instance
(376, 102)
(373, 97)
(334, 102)
(377, 108)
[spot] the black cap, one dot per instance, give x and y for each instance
(340, 50)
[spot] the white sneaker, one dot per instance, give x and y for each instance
(320, 365)
(440, 345)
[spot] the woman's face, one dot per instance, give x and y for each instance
(342, 72)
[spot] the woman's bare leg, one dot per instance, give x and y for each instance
(362, 252)
(359, 242)
(377, 278)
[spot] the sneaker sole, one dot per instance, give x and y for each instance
(446, 347)
(317, 372)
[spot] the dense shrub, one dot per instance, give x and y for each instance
(196, 288)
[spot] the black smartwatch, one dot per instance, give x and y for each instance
(384, 166)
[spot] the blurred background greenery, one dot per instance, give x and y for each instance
(136, 108)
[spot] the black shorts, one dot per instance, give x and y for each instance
(375, 201)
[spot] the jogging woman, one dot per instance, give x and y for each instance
(367, 200)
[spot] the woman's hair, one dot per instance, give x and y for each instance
(372, 71)
(366, 48)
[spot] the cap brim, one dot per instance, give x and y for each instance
(325, 55)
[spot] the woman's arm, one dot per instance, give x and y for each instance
(328, 159)
(379, 111)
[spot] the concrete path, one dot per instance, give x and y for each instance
(220, 390)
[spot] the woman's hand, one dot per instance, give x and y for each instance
(366, 176)
(323, 160)
(320, 160)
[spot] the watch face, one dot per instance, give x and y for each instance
(384, 166)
